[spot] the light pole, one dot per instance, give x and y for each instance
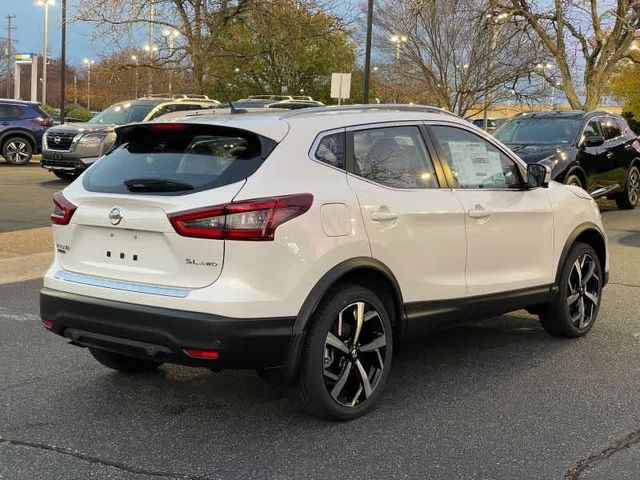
(399, 40)
(88, 62)
(171, 35)
(495, 20)
(135, 59)
(46, 4)
(367, 53)
(542, 68)
(150, 50)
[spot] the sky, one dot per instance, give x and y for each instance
(29, 25)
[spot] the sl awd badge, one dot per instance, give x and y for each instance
(115, 216)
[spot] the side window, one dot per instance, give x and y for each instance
(8, 112)
(393, 156)
(592, 129)
(623, 125)
(331, 150)
(476, 163)
(611, 128)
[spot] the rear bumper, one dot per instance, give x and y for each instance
(162, 334)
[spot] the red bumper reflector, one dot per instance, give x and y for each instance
(48, 324)
(206, 354)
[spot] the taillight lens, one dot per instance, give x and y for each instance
(63, 209)
(43, 121)
(247, 220)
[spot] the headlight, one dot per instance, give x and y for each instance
(551, 161)
(92, 139)
(44, 142)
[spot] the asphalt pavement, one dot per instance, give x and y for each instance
(497, 400)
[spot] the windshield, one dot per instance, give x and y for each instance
(123, 113)
(540, 130)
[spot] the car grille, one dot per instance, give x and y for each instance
(59, 141)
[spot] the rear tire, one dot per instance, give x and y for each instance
(122, 363)
(628, 199)
(17, 150)
(65, 175)
(347, 356)
(574, 309)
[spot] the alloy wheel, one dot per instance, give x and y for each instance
(583, 291)
(354, 354)
(634, 186)
(17, 151)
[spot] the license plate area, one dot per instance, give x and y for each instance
(52, 155)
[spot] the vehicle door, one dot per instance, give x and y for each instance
(615, 153)
(414, 222)
(593, 159)
(630, 151)
(509, 227)
(9, 116)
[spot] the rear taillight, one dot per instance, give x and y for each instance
(43, 121)
(63, 209)
(247, 220)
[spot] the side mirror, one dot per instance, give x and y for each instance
(594, 141)
(538, 175)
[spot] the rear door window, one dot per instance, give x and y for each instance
(177, 159)
(10, 112)
(611, 129)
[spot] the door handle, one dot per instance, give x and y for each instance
(609, 155)
(629, 147)
(383, 214)
(5, 123)
(479, 212)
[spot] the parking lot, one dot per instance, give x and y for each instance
(498, 399)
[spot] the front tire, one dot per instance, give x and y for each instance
(628, 199)
(574, 180)
(122, 363)
(574, 310)
(347, 356)
(65, 175)
(17, 151)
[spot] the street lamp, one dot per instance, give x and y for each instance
(399, 40)
(150, 50)
(88, 62)
(543, 68)
(134, 58)
(46, 4)
(171, 34)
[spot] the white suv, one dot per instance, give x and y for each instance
(303, 244)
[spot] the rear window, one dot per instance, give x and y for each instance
(177, 159)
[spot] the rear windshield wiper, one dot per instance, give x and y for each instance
(156, 185)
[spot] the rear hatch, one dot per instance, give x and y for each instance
(121, 228)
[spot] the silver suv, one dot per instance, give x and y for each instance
(69, 149)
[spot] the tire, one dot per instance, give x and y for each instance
(628, 199)
(65, 175)
(574, 309)
(573, 179)
(339, 380)
(17, 150)
(122, 363)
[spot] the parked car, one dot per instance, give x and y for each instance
(596, 151)
(492, 123)
(22, 125)
(304, 244)
(70, 148)
(295, 104)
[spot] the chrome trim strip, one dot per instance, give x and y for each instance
(176, 292)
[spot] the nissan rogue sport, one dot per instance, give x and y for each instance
(304, 244)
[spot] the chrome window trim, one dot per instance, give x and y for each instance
(123, 285)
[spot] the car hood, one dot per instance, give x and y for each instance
(76, 128)
(535, 153)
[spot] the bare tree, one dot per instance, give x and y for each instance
(197, 22)
(582, 34)
(462, 53)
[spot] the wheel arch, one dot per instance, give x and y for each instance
(590, 234)
(365, 271)
(577, 170)
(18, 133)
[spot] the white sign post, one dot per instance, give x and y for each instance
(340, 86)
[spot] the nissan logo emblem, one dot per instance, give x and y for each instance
(115, 216)
(56, 140)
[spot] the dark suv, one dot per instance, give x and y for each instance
(593, 150)
(22, 125)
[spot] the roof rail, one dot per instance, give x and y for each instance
(371, 106)
(177, 96)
